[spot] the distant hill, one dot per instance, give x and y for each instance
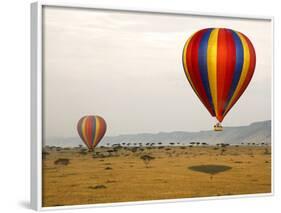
(258, 132)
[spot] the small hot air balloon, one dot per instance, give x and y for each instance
(219, 64)
(91, 130)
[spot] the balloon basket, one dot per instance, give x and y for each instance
(218, 127)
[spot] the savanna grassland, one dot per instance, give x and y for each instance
(120, 174)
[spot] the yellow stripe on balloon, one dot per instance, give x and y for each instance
(244, 73)
(83, 126)
(185, 66)
(97, 130)
(212, 66)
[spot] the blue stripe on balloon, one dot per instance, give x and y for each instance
(93, 130)
(238, 65)
(203, 67)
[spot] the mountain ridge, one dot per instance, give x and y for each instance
(256, 132)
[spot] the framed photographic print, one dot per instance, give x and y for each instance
(132, 105)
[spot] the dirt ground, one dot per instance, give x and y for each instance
(75, 177)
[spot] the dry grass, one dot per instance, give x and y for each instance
(88, 180)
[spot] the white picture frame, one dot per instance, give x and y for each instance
(36, 98)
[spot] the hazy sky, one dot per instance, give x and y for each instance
(127, 68)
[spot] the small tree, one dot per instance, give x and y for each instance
(266, 151)
(110, 152)
(134, 149)
(223, 151)
(146, 159)
(83, 151)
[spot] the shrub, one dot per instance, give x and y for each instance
(62, 161)
(134, 149)
(83, 151)
(44, 154)
(100, 186)
(146, 159)
(223, 151)
(267, 152)
(108, 168)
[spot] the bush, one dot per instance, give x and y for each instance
(62, 161)
(267, 152)
(44, 154)
(108, 168)
(83, 152)
(134, 149)
(146, 159)
(100, 186)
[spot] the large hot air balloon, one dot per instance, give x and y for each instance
(219, 64)
(91, 130)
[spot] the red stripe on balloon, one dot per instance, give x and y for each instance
(250, 71)
(193, 69)
(225, 68)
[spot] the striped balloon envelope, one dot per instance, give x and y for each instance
(91, 130)
(219, 64)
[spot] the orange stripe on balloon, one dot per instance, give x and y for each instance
(225, 68)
